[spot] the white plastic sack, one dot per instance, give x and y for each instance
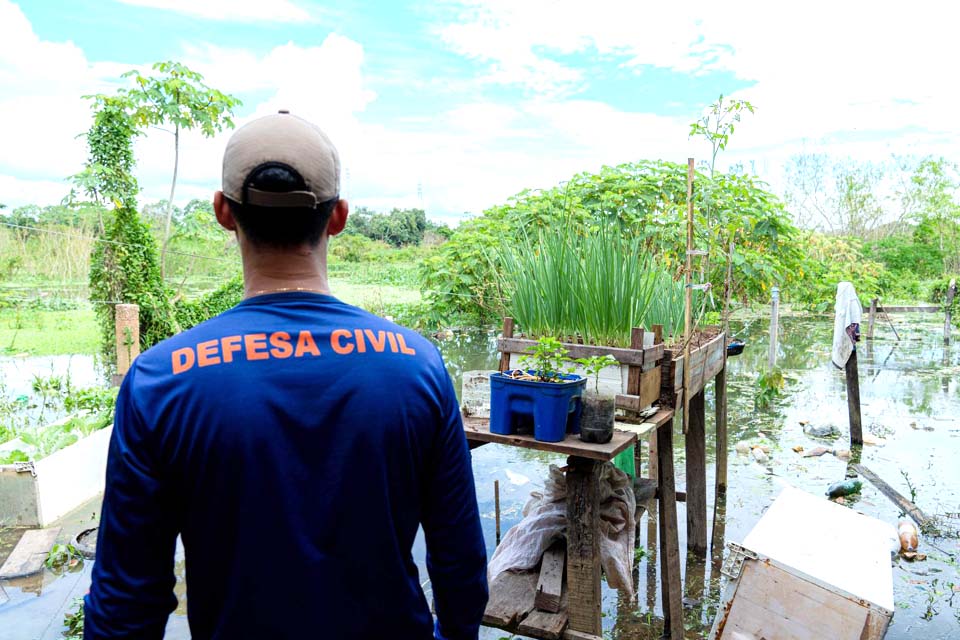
(545, 520)
(848, 311)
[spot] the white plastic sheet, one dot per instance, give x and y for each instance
(545, 520)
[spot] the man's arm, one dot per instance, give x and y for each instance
(132, 591)
(456, 552)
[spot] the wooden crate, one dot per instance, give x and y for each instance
(809, 569)
(707, 361)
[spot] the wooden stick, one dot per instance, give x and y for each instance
(774, 326)
(871, 318)
(496, 506)
(669, 539)
(687, 297)
(507, 333)
(853, 399)
(890, 322)
(951, 291)
(905, 505)
(583, 546)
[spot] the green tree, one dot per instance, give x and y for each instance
(178, 97)
(716, 126)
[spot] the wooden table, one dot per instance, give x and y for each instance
(511, 595)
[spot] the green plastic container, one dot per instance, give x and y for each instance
(626, 462)
(845, 488)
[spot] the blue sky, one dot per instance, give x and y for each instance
(455, 105)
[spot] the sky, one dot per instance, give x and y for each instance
(455, 105)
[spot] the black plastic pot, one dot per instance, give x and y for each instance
(596, 420)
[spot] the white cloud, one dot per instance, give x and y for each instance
(231, 10)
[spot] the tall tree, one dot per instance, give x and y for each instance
(177, 97)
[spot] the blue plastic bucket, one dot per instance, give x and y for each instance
(553, 407)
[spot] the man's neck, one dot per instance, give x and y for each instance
(268, 270)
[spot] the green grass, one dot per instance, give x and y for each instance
(48, 333)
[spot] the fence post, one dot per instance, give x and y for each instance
(853, 399)
(774, 325)
(872, 318)
(951, 292)
(128, 337)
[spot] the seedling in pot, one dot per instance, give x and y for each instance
(545, 359)
(593, 366)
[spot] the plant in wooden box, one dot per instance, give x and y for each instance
(539, 393)
(596, 422)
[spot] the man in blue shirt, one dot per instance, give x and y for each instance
(295, 443)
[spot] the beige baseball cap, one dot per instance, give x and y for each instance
(285, 139)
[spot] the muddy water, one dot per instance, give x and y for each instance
(910, 396)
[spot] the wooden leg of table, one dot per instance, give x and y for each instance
(720, 486)
(652, 455)
(583, 545)
(669, 542)
(695, 443)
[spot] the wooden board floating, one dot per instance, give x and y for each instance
(28, 556)
(478, 431)
(905, 505)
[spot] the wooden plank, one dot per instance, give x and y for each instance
(28, 556)
(633, 373)
(511, 598)
(570, 634)
(507, 333)
(872, 318)
(715, 360)
(905, 505)
(772, 603)
(583, 545)
(853, 399)
(669, 539)
(550, 584)
(540, 624)
(720, 409)
(696, 472)
(478, 430)
(623, 355)
(649, 386)
(641, 430)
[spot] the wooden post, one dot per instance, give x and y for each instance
(696, 471)
(507, 333)
(583, 545)
(774, 326)
(720, 410)
(853, 399)
(951, 292)
(652, 463)
(687, 297)
(633, 387)
(871, 318)
(128, 336)
(728, 291)
(669, 540)
(496, 506)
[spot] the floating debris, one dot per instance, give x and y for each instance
(827, 431)
(909, 536)
(845, 488)
(798, 448)
(743, 447)
(819, 451)
(760, 455)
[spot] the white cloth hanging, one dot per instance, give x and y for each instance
(848, 311)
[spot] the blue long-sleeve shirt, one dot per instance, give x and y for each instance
(295, 443)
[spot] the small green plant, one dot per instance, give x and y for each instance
(63, 556)
(545, 359)
(73, 621)
(769, 387)
(48, 440)
(12, 457)
(593, 366)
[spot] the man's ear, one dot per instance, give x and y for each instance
(338, 219)
(221, 208)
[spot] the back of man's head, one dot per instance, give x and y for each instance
(281, 176)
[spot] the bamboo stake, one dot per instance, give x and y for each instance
(496, 506)
(687, 301)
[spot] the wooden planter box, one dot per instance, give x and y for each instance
(635, 380)
(37, 493)
(707, 361)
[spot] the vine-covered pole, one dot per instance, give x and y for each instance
(128, 337)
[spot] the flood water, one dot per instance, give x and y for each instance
(910, 398)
